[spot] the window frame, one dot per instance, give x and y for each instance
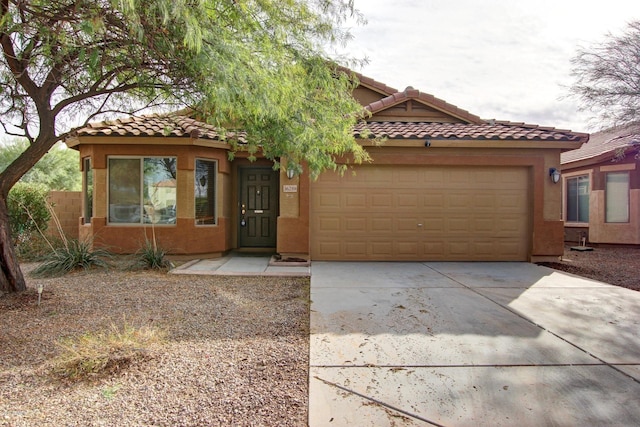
(87, 199)
(197, 186)
(141, 206)
(566, 183)
(607, 193)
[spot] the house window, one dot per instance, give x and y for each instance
(88, 191)
(205, 191)
(617, 197)
(578, 199)
(142, 190)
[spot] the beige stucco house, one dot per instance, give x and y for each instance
(446, 185)
(601, 182)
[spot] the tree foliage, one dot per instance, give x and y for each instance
(607, 77)
(28, 211)
(258, 65)
(56, 170)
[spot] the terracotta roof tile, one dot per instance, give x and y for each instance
(604, 143)
(414, 94)
(369, 82)
(175, 126)
(169, 125)
(480, 131)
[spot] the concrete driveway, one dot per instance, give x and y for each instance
(469, 344)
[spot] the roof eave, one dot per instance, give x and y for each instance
(145, 140)
(597, 158)
(471, 143)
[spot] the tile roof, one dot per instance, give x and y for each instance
(369, 82)
(158, 125)
(185, 127)
(414, 94)
(605, 143)
(489, 130)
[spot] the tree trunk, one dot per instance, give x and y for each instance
(11, 278)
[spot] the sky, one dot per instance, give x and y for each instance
(498, 59)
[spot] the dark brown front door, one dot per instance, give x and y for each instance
(258, 207)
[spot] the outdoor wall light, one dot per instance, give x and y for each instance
(291, 173)
(427, 143)
(555, 175)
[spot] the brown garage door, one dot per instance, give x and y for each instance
(421, 213)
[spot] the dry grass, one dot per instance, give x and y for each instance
(104, 352)
(235, 351)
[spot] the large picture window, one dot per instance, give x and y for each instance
(142, 190)
(205, 191)
(617, 197)
(578, 199)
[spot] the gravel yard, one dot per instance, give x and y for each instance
(235, 351)
(617, 265)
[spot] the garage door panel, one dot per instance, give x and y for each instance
(355, 201)
(354, 248)
(421, 213)
(328, 224)
(457, 225)
(381, 225)
(381, 200)
(433, 226)
(381, 249)
(353, 225)
(328, 201)
(433, 250)
(407, 248)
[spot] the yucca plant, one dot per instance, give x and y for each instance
(70, 254)
(73, 255)
(151, 256)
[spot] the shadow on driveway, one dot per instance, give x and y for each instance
(469, 343)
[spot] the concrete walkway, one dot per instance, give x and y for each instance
(470, 344)
(244, 265)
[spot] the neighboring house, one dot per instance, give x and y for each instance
(601, 182)
(445, 185)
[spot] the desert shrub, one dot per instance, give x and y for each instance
(72, 255)
(28, 212)
(151, 257)
(104, 352)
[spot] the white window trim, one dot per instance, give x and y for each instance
(565, 177)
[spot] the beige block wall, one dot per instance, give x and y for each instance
(552, 192)
(618, 233)
(67, 206)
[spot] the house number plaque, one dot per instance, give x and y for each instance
(290, 188)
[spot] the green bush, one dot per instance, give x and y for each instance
(28, 213)
(73, 255)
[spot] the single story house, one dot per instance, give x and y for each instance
(601, 182)
(446, 185)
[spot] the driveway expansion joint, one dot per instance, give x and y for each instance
(378, 402)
